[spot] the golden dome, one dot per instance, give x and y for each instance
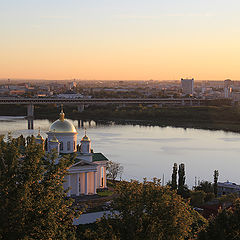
(62, 125)
(85, 138)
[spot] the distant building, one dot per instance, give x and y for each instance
(72, 85)
(228, 88)
(70, 95)
(227, 188)
(17, 92)
(236, 96)
(187, 86)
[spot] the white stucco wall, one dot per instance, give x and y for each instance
(100, 165)
(86, 146)
(64, 138)
(74, 183)
(82, 182)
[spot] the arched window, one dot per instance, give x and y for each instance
(68, 146)
(79, 185)
(61, 146)
(102, 178)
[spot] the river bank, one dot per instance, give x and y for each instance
(225, 118)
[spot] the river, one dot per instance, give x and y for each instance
(151, 151)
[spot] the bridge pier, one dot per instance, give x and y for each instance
(30, 115)
(89, 123)
(80, 123)
(30, 124)
(80, 108)
(191, 102)
(183, 103)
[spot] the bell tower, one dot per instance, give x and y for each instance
(85, 144)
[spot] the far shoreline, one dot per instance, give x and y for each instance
(215, 118)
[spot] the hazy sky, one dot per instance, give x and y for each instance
(120, 39)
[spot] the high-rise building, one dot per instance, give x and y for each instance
(187, 86)
(228, 88)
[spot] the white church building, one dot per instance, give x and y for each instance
(89, 171)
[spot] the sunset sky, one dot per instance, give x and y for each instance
(120, 39)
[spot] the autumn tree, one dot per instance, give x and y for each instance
(33, 203)
(225, 226)
(148, 211)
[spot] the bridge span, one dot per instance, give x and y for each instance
(80, 102)
(102, 101)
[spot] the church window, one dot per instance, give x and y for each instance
(68, 146)
(79, 185)
(74, 145)
(61, 146)
(102, 178)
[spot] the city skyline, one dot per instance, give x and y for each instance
(110, 40)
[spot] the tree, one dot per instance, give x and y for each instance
(215, 175)
(225, 226)
(174, 177)
(228, 199)
(182, 188)
(181, 176)
(33, 203)
(205, 186)
(197, 198)
(148, 211)
(114, 170)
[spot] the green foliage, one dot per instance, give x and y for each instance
(215, 175)
(205, 186)
(209, 197)
(225, 226)
(33, 203)
(181, 176)
(228, 198)
(148, 211)
(197, 198)
(182, 188)
(105, 193)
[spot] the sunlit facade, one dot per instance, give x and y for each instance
(88, 173)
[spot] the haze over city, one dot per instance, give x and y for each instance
(120, 40)
(119, 119)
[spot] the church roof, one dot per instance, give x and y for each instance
(54, 139)
(85, 139)
(39, 137)
(98, 157)
(62, 125)
(80, 162)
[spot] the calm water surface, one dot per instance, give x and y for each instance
(147, 151)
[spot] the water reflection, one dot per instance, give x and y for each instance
(150, 151)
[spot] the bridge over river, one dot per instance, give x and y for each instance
(80, 102)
